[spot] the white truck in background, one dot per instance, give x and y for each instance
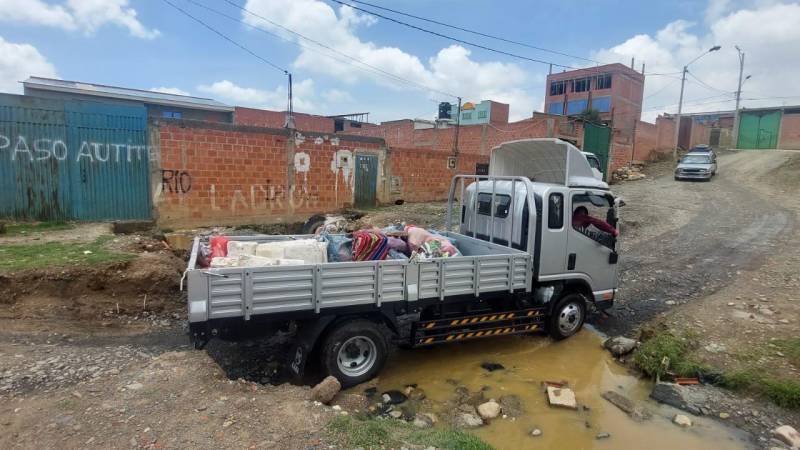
(537, 243)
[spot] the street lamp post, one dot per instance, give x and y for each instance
(738, 97)
(680, 100)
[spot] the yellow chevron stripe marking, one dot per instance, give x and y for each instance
(530, 312)
(450, 338)
(493, 317)
(511, 315)
(429, 340)
(460, 336)
(455, 322)
(470, 335)
(479, 334)
(473, 320)
(430, 325)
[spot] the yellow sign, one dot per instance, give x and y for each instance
(468, 105)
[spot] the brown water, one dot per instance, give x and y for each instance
(529, 360)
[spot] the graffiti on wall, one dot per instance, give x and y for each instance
(177, 181)
(23, 148)
(263, 197)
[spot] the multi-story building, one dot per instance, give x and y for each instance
(614, 90)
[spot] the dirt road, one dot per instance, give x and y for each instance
(685, 240)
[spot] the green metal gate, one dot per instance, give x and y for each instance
(366, 183)
(71, 160)
(759, 129)
(596, 139)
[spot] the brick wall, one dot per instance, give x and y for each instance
(790, 132)
(620, 155)
(666, 133)
(645, 145)
(277, 119)
(424, 175)
(224, 174)
(700, 134)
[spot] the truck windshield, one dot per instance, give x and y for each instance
(695, 159)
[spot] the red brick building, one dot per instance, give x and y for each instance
(615, 90)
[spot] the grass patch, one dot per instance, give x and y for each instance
(16, 229)
(781, 391)
(58, 254)
(664, 344)
(378, 433)
(791, 348)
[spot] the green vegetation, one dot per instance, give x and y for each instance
(791, 348)
(58, 254)
(781, 391)
(650, 355)
(375, 433)
(16, 229)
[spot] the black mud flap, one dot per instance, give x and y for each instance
(199, 334)
(306, 338)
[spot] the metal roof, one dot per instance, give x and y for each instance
(116, 92)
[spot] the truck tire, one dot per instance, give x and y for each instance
(354, 352)
(567, 316)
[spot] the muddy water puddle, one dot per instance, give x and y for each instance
(441, 372)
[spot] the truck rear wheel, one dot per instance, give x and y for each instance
(567, 316)
(354, 352)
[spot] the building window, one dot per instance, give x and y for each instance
(556, 88)
(466, 116)
(602, 104)
(576, 106)
(171, 114)
(556, 108)
(338, 125)
(582, 85)
(603, 81)
(482, 114)
(355, 124)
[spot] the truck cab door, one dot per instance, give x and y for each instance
(591, 244)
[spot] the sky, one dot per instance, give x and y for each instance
(371, 64)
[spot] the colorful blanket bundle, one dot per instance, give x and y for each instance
(369, 246)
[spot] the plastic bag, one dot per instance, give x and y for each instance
(219, 246)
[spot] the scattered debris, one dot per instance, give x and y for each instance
(602, 435)
(562, 397)
(326, 390)
(628, 173)
(724, 415)
(511, 405)
(491, 367)
(467, 420)
(620, 345)
(393, 397)
(536, 432)
(675, 395)
(687, 381)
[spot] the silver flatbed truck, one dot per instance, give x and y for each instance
(530, 260)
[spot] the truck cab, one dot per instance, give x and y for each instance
(565, 217)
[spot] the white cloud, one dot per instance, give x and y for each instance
(20, 61)
(170, 90)
(337, 96)
(766, 31)
(275, 99)
(84, 15)
(451, 70)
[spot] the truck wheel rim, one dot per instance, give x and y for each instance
(357, 356)
(569, 319)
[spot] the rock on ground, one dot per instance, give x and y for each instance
(675, 395)
(424, 420)
(627, 405)
(682, 420)
(620, 345)
(393, 397)
(511, 405)
(326, 390)
(489, 410)
(467, 420)
(563, 397)
(788, 435)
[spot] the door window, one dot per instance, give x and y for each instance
(555, 211)
(593, 216)
(501, 202)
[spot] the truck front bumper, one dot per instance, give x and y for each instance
(604, 299)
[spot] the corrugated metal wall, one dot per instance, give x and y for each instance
(73, 160)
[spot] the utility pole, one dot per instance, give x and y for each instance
(678, 116)
(738, 98)
(458, 126)
(680, 101)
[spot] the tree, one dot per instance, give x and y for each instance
(590, 115)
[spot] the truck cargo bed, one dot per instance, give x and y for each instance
(483, 267)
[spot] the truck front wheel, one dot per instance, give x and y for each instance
(354, 352)
(567, 316)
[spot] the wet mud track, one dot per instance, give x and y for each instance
(731, 228)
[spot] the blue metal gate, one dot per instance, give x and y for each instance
(72, 160)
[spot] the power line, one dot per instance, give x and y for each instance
(461, 41)
(662, 89)
(220, 34)
(510, 41)
(703, 83)
(352, 58)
